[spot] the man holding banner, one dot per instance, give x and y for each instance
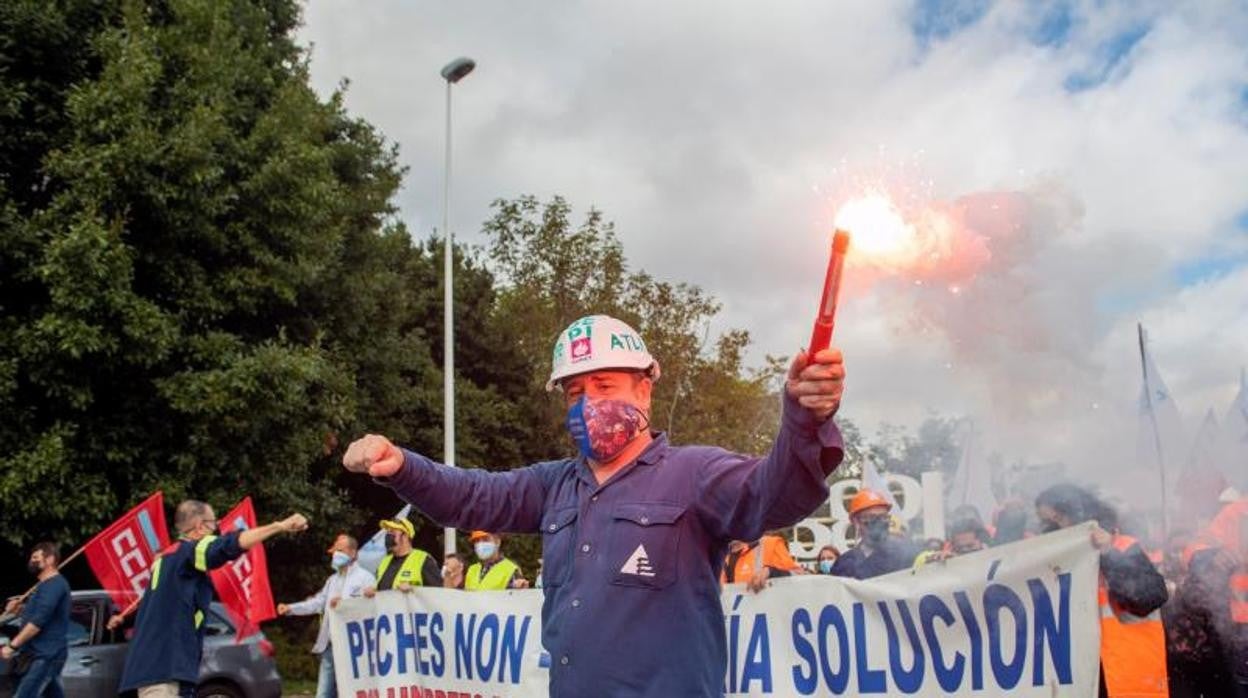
(163, 659)
(635, 530)
(348, 580)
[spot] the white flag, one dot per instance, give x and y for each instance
(972, 482)
(1161, 443)
(1233, 452)
(872, 480)
(375, 549)
(1205, 447)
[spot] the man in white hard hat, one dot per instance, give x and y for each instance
(634, 529)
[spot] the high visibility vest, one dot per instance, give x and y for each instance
(201, 564)
(1133, 649)
(409, 572)
(497, 579)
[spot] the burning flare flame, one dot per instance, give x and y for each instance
(881, 236)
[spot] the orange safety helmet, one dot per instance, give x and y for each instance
(865, 499)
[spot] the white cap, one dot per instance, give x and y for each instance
(1229, 495)
(599, 343)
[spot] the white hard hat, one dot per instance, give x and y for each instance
(1229, 495)
(599, 343)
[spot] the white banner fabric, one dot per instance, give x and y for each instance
(1021, 618)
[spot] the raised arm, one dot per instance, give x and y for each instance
(742, 496)
(510, 502)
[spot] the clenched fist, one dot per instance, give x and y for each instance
(294, 523)
(374, 455)
(818, 384)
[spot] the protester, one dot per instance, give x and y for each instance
(38, 652)
(826, 558)
(878, 551)
(634, 529)
(453, 568)
(404, 566)
(967, 536)
(1130, 593)
(756, 562)
(349, 579)
(1216, 590)
(492, 571)
(1010, 522)
(162, 660)
(1195, 663)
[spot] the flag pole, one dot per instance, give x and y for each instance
(1152, 415)
(21, 599)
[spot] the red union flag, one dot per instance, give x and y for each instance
(243, 584)
(122, 554)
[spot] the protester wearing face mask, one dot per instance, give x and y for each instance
(826, 559)
(634, 529)
(1130, 594)
(40, 644)
(878, 551)
(492, 571)
(162, 659)
(347, 580)
(404, 566)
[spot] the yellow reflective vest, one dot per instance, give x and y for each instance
(409, 572)
(498, 578)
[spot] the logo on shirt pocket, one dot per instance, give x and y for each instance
(645, 546)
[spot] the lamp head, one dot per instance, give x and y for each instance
(458, 69)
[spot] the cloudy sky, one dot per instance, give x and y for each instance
(1095, 152)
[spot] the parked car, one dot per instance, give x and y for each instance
(97, 655)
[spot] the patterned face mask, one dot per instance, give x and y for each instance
(602, 429)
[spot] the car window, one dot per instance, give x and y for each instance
(81, 621)
(215, 624)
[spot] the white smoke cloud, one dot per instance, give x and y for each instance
(711, 134)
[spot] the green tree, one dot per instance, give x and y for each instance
(203, 282)
(552, 271)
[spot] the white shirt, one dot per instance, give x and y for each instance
(350, 581)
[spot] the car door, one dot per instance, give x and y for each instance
(89, 669)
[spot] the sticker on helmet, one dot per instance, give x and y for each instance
(579, 337)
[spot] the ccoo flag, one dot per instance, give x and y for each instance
(122, 554)
(243, 584)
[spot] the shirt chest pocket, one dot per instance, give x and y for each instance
(558, 543)
(645, 544)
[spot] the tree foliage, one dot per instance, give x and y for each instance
(205, 288)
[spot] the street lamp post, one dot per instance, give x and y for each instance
(452, 72)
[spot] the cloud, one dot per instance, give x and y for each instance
(713, 134)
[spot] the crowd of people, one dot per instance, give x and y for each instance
(1174, 617)
(639, 535)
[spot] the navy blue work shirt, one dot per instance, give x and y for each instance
(48, 610)
(893, 555)
(631, 567)
(169, 631)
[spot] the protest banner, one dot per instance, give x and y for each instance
(440, 642)
(1021, 618)
(122, 554)
(243, 584)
